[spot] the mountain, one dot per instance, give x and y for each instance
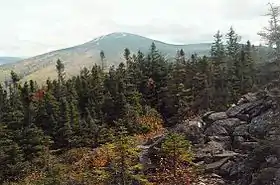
(8, 60)
(75, 58)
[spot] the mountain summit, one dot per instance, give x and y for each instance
(75, 58)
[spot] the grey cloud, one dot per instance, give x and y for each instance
(168, 32)
(18, 47)
(243, 9)
(56, 24)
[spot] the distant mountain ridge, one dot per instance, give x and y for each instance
(8, 60)
(75, 58)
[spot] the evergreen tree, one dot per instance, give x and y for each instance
(64, 129)
(31, 139)
(61, 79)
(176, 99)
(232, 47)
(15, 78)
(103, 58)
(156, 74)
(175, 158)
(201, 87)
(75, 124)
(233, 65)
(217, 48)
(247, 69)
(12, 164)
(127, 55)
(219, 86)
(272, 33)
(124, 166)
(3, 102)
(60, 71)
(48, 113)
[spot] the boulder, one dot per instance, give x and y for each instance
(237, 169)
(229, 124)
(224, 140)
(217, 116)
(209, 179)
(237, 141)
(208, 151)
(249, 97)
(240, 135)
(260, 166)
(267, 176)
(216, 165)
(230, 154)
(206, 115)
(226, 168)
(247, 147)
(243, 117)
(242, 143)
(261, 108)
(239, 109)
(216, 130)
(273, 134)
(241, 130)
(277, 177)
(192, 130)
(272, 160)
(213, 147)
(251, 109)
(261, 125)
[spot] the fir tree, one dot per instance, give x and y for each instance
(272, 33)
(12, 164)
(64, 129)
(103, 58)
(124, 166)
(233, 64)
(247, 69)
(175, 158)
(219, 81)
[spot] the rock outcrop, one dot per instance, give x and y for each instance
(240, 146)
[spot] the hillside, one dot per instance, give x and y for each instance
(9, 60)
(43, 66)
(6, 61)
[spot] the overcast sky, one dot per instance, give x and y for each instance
(31, 27)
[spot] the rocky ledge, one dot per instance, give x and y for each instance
(240, 146)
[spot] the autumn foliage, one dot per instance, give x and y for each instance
(154, 123)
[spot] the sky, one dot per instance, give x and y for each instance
(32, 27)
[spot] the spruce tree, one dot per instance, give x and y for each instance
(176, 99)
(233, 64)
(63, 130)
(12, 163)
(61, 79)
(32, 139)
(247, 69)
(3, 102)
(175, 157)
(103, 60)
(219, 81)
(124, 166)
(272, 33)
